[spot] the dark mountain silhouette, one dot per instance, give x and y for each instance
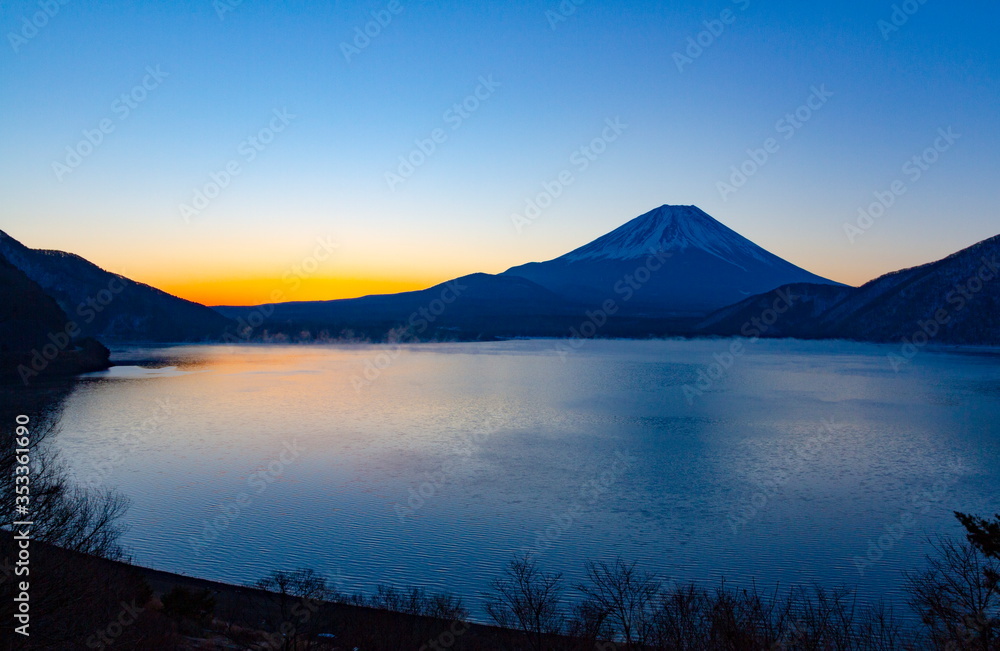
(27, 314)
(801, 305)
(471, 307)
(955, 300)
(110, 306)
(691, 264)
(650, 277)
(962, 291)
(36, 337)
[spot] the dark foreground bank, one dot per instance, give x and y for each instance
(81, 601)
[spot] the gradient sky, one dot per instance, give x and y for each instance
(323, 176)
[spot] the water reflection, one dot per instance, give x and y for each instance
(450, 458)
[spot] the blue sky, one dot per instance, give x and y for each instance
(553, 87)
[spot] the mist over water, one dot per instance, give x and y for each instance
(434, 464)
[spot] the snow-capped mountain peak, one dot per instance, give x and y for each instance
(707, 266)
(670, 228)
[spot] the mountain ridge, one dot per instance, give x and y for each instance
(37, 339)
(110, 306)
(649, 277)
(643, 279)
(687, 227)
(938, 301)
(709, 266)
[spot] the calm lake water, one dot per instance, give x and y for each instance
(434, 464)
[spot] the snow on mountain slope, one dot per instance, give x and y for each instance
(700, 265)
(671, 228)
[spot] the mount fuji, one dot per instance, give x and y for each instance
(664, 271)
(672, 261)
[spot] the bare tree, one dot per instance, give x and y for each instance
(982, 533)
(395, 618)
(879, 630)
(65, 515)
(413, 601)
(299, 594)
(528, 600)
(588, 624)
(682, 619)
(958, 596)
(77, 599)
(627, 598)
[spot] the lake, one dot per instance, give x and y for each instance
(433, 465)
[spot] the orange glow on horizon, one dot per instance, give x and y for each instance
(257, 291)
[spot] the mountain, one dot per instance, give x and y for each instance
(470, 307)
(474, 307)
(955, 300)
(802, 307)
(668, 272)
(691, 263)
(658, 271)
(110, 306)
(960, 292)
(35, 337)
(27, 314)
